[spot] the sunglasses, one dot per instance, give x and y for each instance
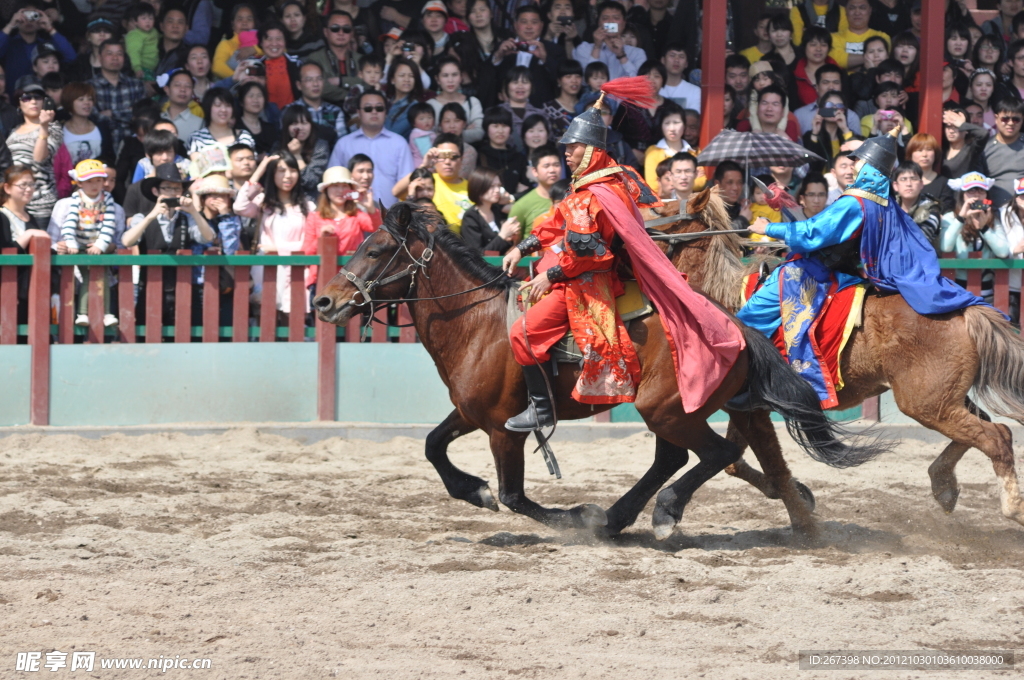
(335, 28)
(379, 108)
(32, 96)
(1005, 119)
(449, 156)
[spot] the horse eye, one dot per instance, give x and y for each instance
(373, 253)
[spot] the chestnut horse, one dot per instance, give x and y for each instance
(929, 362)
(458, 305)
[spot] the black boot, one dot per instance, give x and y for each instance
(540, 412)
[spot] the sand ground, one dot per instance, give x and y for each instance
(348, 559)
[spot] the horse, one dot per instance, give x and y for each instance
(458, 305)
(929, 362)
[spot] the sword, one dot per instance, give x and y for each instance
(783, 209)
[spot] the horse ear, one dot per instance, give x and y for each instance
(697, 202)
(383, 210)
(402, 217)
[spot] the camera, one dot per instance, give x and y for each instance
(33, 16)
(522, 47)
(565, 21)
(827, 112)
(408, 47)
(886, 115)
(49, 104)
(172, 202)
(980, 205)
(611, 27)
(256, 68)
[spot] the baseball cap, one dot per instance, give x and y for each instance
(44, 49)
(435, 6)
(88, 169)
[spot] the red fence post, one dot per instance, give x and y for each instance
(240, 313)
(326, 336)
(297, 300)
(1001, 299)
(39, 330)
(125, 301)
(9, 301)
(211, 302)
(407, 334)
(97, 303)
(268, 305)
(154, 303)
(66, 314)
(183, 301)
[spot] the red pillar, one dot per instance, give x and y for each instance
(326, 336)
(932, 52)
(39, 330)
(712, 77)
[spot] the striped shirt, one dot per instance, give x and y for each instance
(89, 223)
(202, 139)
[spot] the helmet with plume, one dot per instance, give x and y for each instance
(588, 127)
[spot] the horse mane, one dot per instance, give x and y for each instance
(468, 261)
(723, 266)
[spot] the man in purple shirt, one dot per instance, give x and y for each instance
(33, 25)
(392, 159)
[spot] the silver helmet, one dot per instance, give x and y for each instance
(879, 152)
(587, 128)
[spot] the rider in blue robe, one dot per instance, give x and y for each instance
(862, 236)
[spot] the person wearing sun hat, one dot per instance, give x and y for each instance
(1010, 220)
(968, 228)
(337, 212)
(216, 198)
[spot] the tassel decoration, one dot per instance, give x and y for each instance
(637, 91)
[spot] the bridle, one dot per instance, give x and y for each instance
(365, 288)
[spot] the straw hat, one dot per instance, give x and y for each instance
(88, 169)
(213, 184)
(336, 175)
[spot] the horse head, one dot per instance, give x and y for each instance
(383, 268)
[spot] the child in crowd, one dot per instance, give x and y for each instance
(421, 117)
(160, 146)
(456, 17)
(421, 185)
(665, 184)
(759, 207)
(142, 41)
(887, 97)
(594, 75)
(371, 72)
(90, 225)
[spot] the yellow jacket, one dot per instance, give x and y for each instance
(223, 57)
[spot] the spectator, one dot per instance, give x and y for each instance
(34, 143)
(964, 142)
(908, 184)
(404, 89)
(143, 120)
(967, 229)
(862, 79)
(829, 128)
(958, 49)
(518, 89)
(364, 20)
(172, 49)
(906, 49)
(982, 85)
(1013, 88)
(737, 76)
(841, 176)
(283, 207)
(373, 140)
(691, 131)
(282, 68)
(450, 190)
(300, 41)
(547, 167)
(141, 42)
(666, 185)
(484, 227)
(299, 138)
(116, 92)
(449, 81)
(262, 120)
(562, 109)
(337, 212)
(89, 224)
(989, 52)
(729, 108)
(329, 119)
(563, 32)
(159, 149)
(763, 44)
(82, 138)
(1001, 26)
(528, 52)
(780, 31)
(361, 167)
(817, 43)
(220, 113)
(925, 151)
(892, 17)
(536, 133)
(181, 108)
(676, 87)
(453, 122)
(197, 63)
(1010, 220)
(729, 180)
(230, 52)
(421, 137)
(476, 50)
(1002, 158)
(44, 62)
(337, 59)
(683, 169)
(421, 187)
(199, 17)
(827, 14)
(16, 50)
(371, 73)
(17, 225)
(770, 114)
(608, 47)
(829, 78)
(888, 113)
(496, 154)
(848, 45)
(670, 122)
(813, 194)
(86, 66)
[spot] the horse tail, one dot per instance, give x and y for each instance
(780, 387)
(1000, 380)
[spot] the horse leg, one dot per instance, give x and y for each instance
(715, 453)
(943, 469)
(668, 460)
(757, 479)
(967, 429)
(461, 485)
(507, 449)
(757, 426)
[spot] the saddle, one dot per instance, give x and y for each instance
(632, 304)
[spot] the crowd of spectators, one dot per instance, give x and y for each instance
(165, 125)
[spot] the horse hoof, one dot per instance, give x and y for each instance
(663, 531)
(948, 498)
(590, 516)
(805, 494)
(483, 498)
(664, 523)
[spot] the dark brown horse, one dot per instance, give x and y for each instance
(929, 362)
(458, 305)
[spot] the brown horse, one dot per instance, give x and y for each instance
(929, 362)
(458, 305)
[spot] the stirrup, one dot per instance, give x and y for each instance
(529, 420)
